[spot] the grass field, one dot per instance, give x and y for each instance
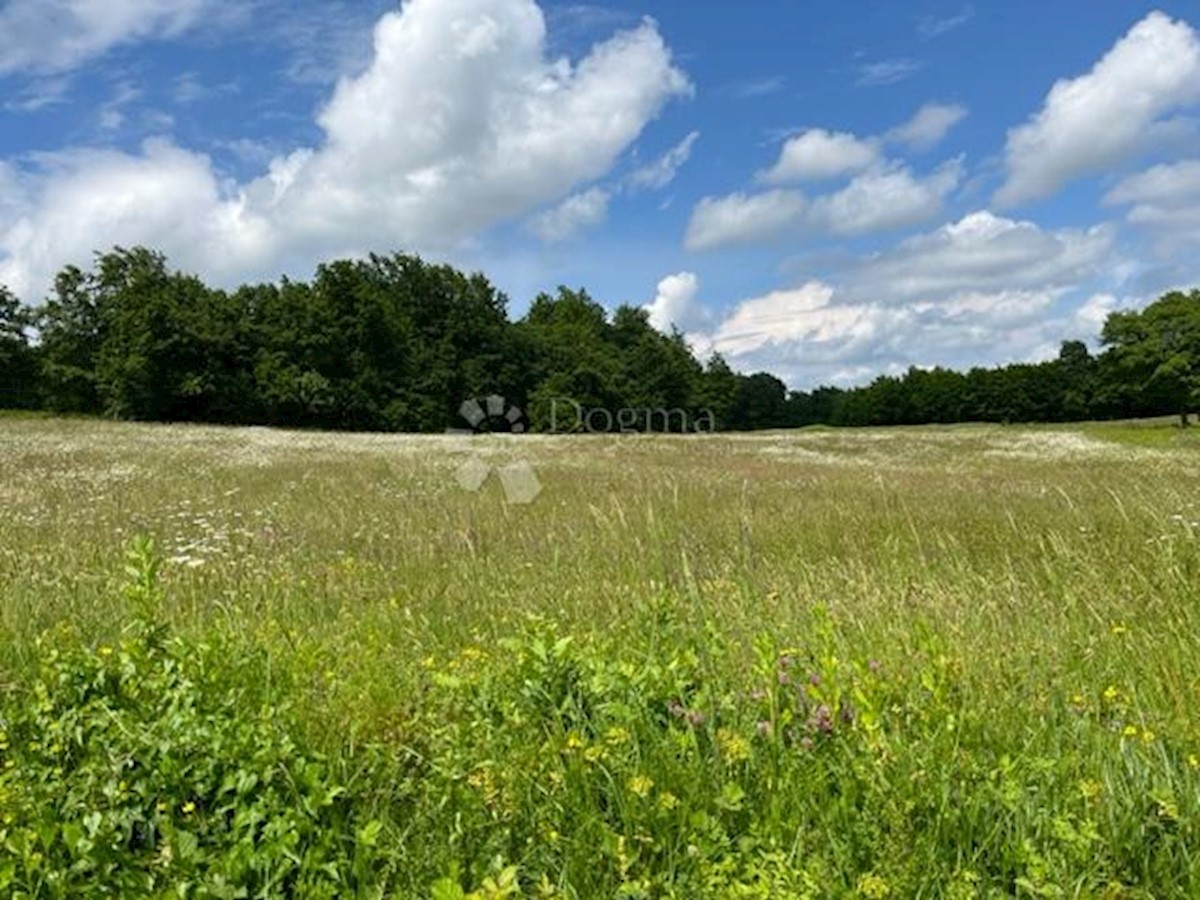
(935, 662)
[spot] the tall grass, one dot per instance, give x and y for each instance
(915, 662)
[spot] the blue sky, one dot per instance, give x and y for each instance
(825, 190)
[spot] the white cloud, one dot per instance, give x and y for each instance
(1160, 184)
(933, 27)
(677, 304)
(885, 198)
(803, 314)
(657, 175)
(1108, 116)
(753, 88)
(111, 115)
(1164, 199)
(577, 213)
(1089, 318)
(929, 126)
(164, 195)
(983, 253)
(58, 35)
(818, 154)
(744, 218)
(460, 122)
(888, 71)
(982, 290)
(39, 94)
(813, 335)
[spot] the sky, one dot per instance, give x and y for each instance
(827, 190)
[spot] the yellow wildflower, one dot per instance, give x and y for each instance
(1111, 693)
(734, 747)
(874, 887)
(641, 785)
(616, 736)
(1130, 731)
(1119, 628)
(189, 808)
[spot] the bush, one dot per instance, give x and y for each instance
(160, 767)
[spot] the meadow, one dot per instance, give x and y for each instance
(916, 662)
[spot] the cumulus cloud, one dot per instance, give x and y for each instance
(802, 314)
(657, 175)
(460, 122)
(1091, 315)
(817, 154)
(886, 197)
(812, 335)
(1164, 199)
(982, 290)
(574, 215)
(929, 126)
(744, 218)
(164, 194)
(1108, 116)
(986, 254)
(677, 305)
(58, 35)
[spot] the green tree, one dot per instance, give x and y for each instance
(17, 359)
(1157, 350)
(659, 372)
(574, 359)
(718, 391)
(71, 325)
(761, 402)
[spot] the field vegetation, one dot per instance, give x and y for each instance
(917, 662)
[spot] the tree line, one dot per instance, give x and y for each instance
(394, 343)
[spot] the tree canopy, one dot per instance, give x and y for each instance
(397, 343)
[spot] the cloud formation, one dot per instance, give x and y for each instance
(59, 35)
(1165, 200)
(744, 218)
(1119, 110)
(574, 215)
(888, 71)
(817, 155)
(929, 126)
(460, 122)
(984, 289)
(661, 172)
(677, 304)
(886, 197)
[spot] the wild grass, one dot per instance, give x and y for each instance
(937, 662)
